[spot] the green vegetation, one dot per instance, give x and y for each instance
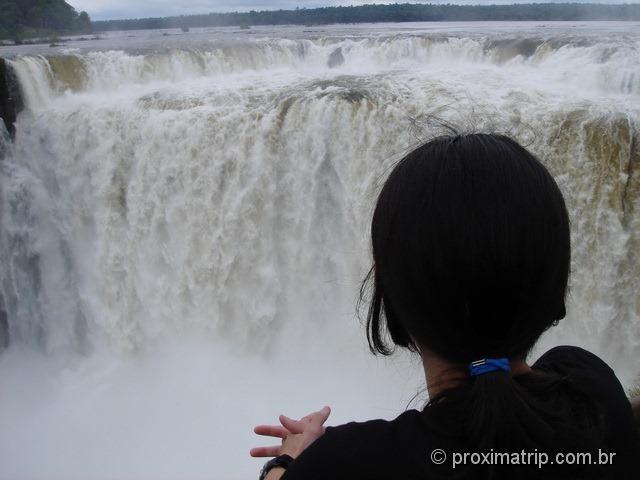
(386, 13)
(21, 19)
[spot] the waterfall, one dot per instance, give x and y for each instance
(223, 194)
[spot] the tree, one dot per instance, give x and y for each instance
(40, 17)
(405, 12)
(83, 23)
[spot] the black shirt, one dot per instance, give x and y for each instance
(401, 448)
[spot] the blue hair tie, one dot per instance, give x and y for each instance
(486, 365)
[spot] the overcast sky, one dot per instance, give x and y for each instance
(113, 9)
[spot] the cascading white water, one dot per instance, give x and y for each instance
(184, 231)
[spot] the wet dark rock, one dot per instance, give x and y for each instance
(10, 97)
(4, 326)
(4, 331)
(336, 58)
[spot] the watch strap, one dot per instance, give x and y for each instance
(281, 461)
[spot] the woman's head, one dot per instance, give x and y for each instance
(471, 250)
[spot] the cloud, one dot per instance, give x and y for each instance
(116, 9)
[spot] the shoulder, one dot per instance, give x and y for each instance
(593, 377)
(349, 450)
(568, 359)
(585, 370)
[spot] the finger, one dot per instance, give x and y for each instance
(294, 426)
(298, 426)
(272, 451)
(271, 431)
(323, 414)
(318, 417)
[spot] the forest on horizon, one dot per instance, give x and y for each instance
(22, 19)
(373, 13)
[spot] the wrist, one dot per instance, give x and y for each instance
(275, 473)
(281, 463)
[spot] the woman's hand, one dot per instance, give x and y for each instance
(296, 435)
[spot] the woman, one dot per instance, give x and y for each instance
(471, 260)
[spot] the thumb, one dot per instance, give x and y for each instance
(294, 426)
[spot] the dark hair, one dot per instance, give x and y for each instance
(471, 253)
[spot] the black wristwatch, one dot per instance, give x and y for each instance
(283, 461)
